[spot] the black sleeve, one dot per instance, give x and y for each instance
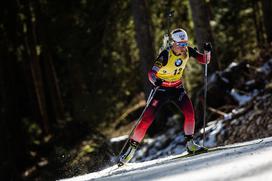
(162, 58)
(192, 52)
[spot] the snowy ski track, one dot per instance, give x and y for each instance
(246, 161)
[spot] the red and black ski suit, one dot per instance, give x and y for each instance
(169, 68)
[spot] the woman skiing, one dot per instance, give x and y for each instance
(167, 73)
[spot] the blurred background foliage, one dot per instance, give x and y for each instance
(71, 72)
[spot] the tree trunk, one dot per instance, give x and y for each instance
(144, 39)
(202, 28)
(31, 42)
(52, 91)
(267, 9)
(258, 23)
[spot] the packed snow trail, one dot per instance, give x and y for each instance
(245, 161)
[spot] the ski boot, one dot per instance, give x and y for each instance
(192, 147)
(127, 156)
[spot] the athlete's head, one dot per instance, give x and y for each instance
(179, 40)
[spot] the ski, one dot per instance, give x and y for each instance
(212, 149)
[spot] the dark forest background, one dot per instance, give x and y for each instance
(74, 73)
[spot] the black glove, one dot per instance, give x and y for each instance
(158, 82)
(207, 46)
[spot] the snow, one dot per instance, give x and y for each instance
(161, 146)
(242, 99)
(245, 161)
(232, 64)
(266, 68)
(232, 169)
(112, 170)
(225, 80)
(212, 129)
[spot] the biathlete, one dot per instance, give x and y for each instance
(167, 73)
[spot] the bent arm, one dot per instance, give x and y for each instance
(201, 58)
(159, 62)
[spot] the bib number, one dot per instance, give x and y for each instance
(177, 71)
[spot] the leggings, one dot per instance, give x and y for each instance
(163, 95)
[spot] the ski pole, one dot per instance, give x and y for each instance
(150, 97)
(205, 96)
(169, 16)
